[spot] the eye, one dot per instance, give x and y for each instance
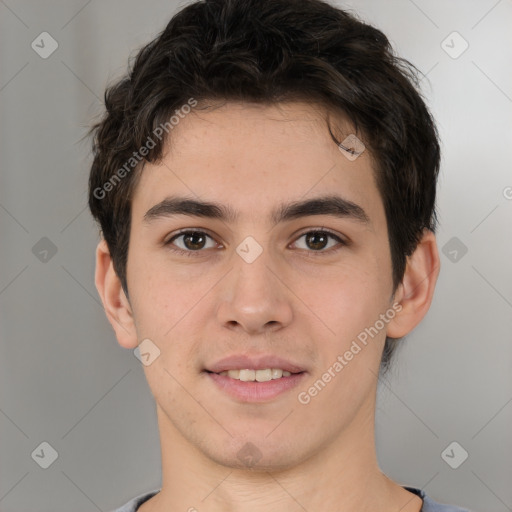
(191, 241)
(319, 240)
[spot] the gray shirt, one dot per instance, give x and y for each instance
(429, 505)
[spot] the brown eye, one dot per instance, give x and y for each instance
(318, 240)
(191, 241)
(194, 241)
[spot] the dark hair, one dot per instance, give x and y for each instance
(271, 51)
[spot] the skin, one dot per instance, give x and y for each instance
(291, 301)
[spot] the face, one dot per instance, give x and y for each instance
(270, 273)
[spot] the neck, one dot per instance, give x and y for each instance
(342, 475)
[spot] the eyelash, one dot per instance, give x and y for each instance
(311, 253)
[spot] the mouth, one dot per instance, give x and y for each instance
(267, 367)
(254, 379)
(263, 375)
(253, 391)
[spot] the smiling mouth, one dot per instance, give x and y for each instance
(264, 375)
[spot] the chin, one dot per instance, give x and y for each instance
(256, 456)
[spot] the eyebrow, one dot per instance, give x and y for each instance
(325, 205)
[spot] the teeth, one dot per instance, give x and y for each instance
(277, 373)
(247, 375)
(256, 375)
(234, 374)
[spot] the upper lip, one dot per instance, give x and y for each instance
(243, 361)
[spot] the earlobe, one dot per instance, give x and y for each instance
(416, 291)
(117, 307)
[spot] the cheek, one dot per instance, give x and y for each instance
(155, 300)
(166, 305)
(347, 294)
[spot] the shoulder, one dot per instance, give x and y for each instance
(136, 502)
(429, 505)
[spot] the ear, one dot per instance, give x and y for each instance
(117, 307)
(416, 290)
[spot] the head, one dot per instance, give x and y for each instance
(251, 104)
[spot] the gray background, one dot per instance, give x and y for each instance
(64, 379)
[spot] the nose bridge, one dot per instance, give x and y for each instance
(252, 297)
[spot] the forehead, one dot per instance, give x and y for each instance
(252, 156)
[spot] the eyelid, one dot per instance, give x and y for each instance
(342, 241)
(169, 245)
(183, 231)
(322, 229)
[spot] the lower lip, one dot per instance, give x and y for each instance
(256, 391)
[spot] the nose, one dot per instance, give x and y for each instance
(253, 298)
